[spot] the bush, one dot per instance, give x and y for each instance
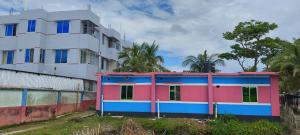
(228, 125)
(175, 126)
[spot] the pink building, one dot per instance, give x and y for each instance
(244, 94)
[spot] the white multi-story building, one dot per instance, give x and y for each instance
(64, 43)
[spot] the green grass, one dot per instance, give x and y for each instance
(174, 126)
(67, 127)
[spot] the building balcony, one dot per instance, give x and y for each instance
(66, 40)
(76, 70)
(109, 53)
(8, 43)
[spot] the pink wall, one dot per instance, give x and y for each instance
(10, 115)
(153, 98)
(111, 92)
(210, 93)
(275, 96)
(264, 94)
(142, 92)
(162, 92)
(194, 93)
(227, 94)
(187, 93)
(98, 92)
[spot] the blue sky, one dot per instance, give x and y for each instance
(180, 27)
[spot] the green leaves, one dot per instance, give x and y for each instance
(141, 58)
(287, 62)
(251, 43)
(203, 62)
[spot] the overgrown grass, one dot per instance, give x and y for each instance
(174, 126)
(225, 125)
(228, 125)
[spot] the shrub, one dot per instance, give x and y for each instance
(175, 126)
(130, 127)
(229, 125)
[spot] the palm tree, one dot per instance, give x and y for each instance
(141, 58)
(288, 64)
(289, 60)
(153, 61)
(203, 62)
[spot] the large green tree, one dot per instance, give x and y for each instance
(251, 44)
(141, 58)
(203, 62)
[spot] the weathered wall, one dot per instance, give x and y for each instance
(10, 97)
(21, 105)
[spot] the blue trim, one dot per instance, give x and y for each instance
(31, 26)
(59, 27)
(183, 108)
(27, 55)
(101, 92)
(61, 56)
(43, 56)
(127, 106)
(182, 79)
(24, 97)
(57, 56)
(58, 97)
(10, 57)
(9, 30)
(66, 27)
(241, 80)
(63, 26)
(64, 56)
(257, 110)
(124, 79)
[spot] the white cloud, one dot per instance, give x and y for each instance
(196, 25)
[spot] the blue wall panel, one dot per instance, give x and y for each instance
(183, 108)
(256, 110)
(241, 80)
(124, 79)
(127, 106)
(185, 79)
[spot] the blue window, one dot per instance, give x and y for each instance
(29, 55)
(42, 56)
(61, 56)
(31, 26)
(8, 57)
(11, 30)
(63, 26)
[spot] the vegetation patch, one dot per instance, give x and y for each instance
(225, 125)
(228, 125)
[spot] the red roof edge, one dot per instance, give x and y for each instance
(184, 73)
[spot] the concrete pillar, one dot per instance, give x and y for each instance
(99, 92)
(210, 94)
(153, 98)
(1, 54)
(23, 105)
(36, 55)
(58, 102)
(275, 95)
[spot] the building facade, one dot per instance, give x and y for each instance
(65, 43)
(244, 94)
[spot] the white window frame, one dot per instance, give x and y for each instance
(249, 93)
(126, 90)
(175, 92)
